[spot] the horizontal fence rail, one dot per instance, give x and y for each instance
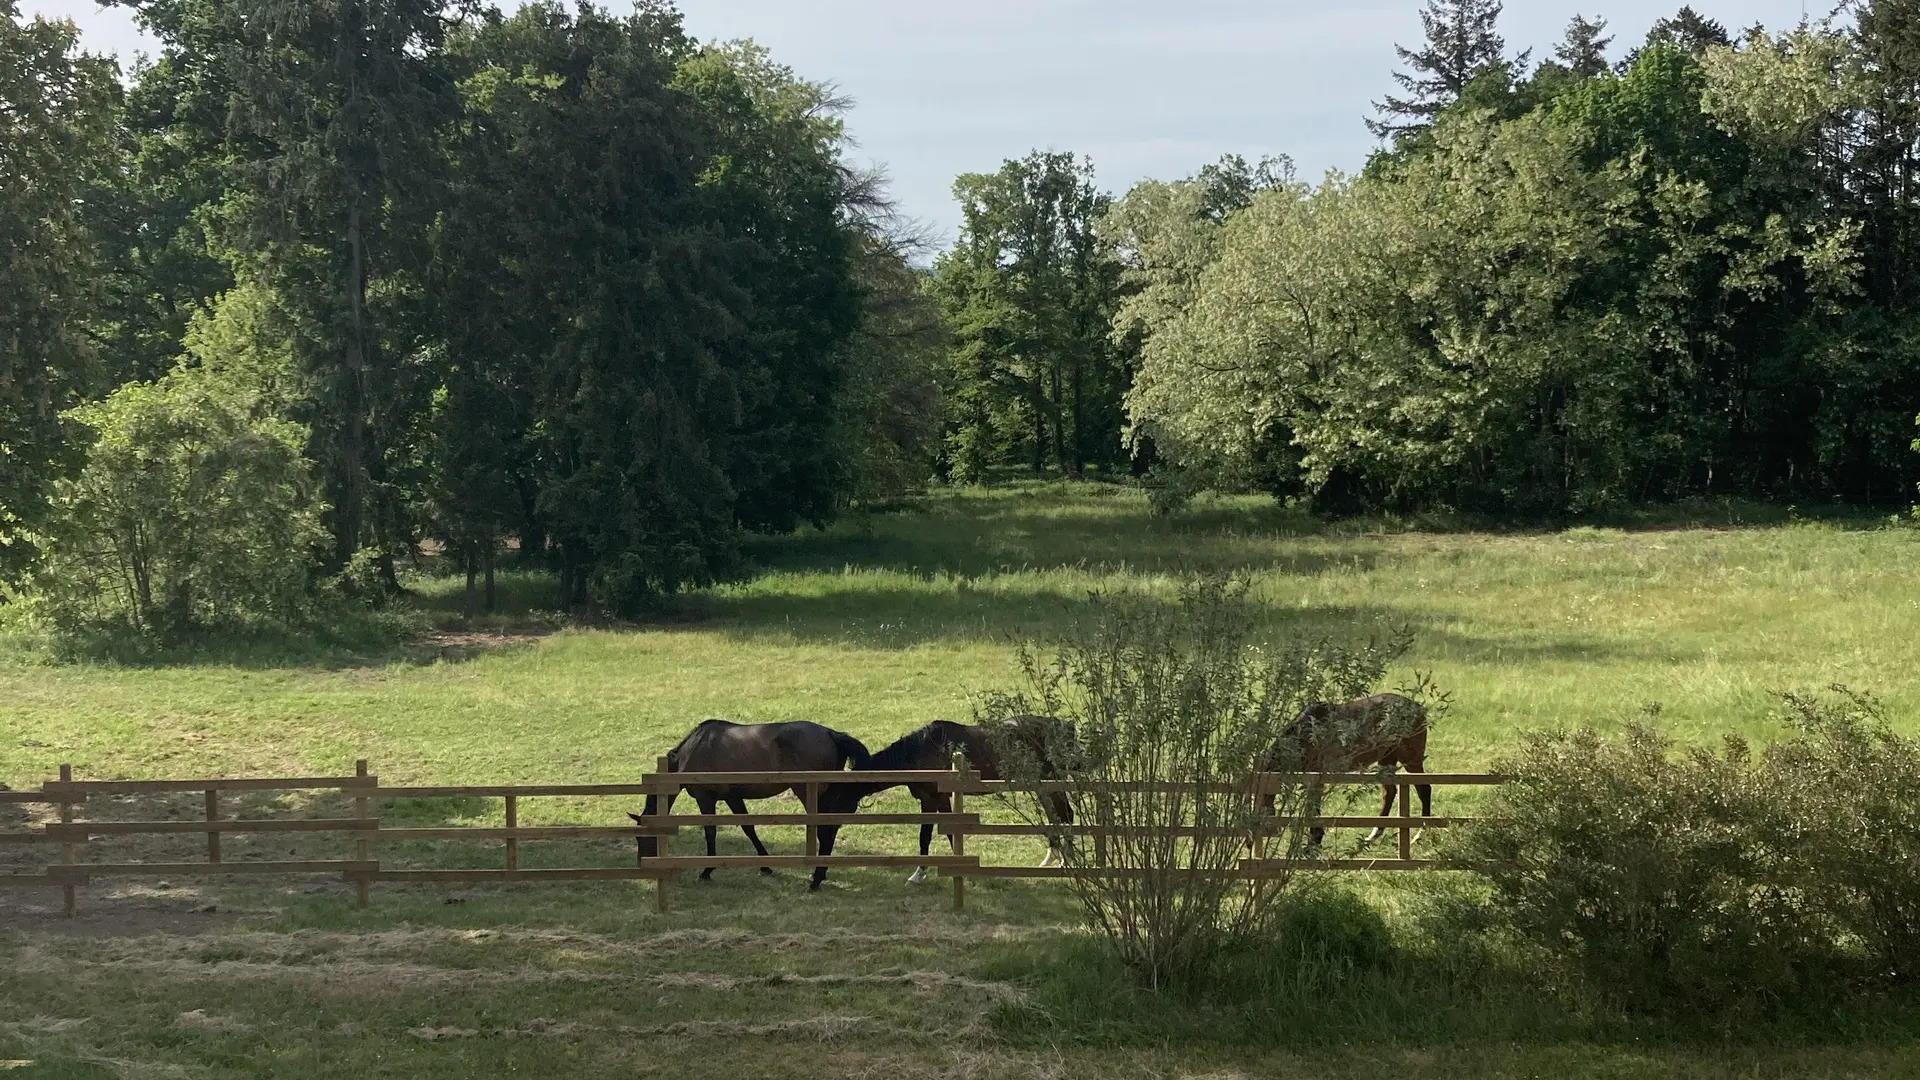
(367, 829)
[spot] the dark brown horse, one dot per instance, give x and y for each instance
(933, 747)
(719, 746)
(1379, 730)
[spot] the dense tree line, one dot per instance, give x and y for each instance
(557, 281)
(1564, 288)
(1030, 292)
(330, 279)
(1558, 287)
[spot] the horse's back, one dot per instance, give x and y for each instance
(788, 746)
(1386, 729)
(1378, 729)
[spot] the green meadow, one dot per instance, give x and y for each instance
(877, 625)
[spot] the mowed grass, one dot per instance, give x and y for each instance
(876, 626)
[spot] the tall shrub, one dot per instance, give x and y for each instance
(1716, 880)
(1174, 711)
(1848, 785)
(195, 511)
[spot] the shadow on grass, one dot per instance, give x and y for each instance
(888, 614)
(1039, 527)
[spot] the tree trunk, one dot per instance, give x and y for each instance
(1079, 414)
(1039, 436)
(490, 595)
(350, 505)
(466, 560)
(1059, 425)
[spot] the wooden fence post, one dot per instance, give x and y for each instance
(68, 898)
(213, 815)
(360, 852)
(663, 767)
(513, 822)
(963, 774)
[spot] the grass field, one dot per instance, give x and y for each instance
(876, 626)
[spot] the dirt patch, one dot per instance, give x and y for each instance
(459, 646)
(101, 917)
(432, 1033)
(202, 1020)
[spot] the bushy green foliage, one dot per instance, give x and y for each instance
(1639, 867)
(57, 107)
(1847, 785)
(1155, 697)
(1029, 294)
(889, 407)
(1567, 293)
(1717, 880)
(196, 509)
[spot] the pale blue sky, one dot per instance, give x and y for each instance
(1147, 88)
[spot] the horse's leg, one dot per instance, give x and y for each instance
(1386, 807)
(828, 834)
(708, 806)
(1060, 812)
(1262, 807)
(1419, 765)
(931, 802)
(824, 834)
(739, 806)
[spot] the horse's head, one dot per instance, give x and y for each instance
(646, 847)
(1300, 739)
(842, 798)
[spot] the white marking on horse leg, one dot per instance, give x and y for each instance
(1375, 834)
(919, 876)
(1053, 857)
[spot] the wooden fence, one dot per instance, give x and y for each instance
(366, 830)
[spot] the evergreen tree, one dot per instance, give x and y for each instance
(1462, 41)
(57, 111)
(644, 283)
(1689, 31)
(1583, 53)
(331, 119)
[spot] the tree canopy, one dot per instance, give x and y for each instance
(330, 283)
(1586, 288)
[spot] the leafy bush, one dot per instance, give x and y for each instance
(195, 510)
(1175, 710)
(1639, 866)
(1848, 786)
(1722, 880)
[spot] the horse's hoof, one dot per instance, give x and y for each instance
(918, 877)
(706, 875)
(766, 871)
(813, 886)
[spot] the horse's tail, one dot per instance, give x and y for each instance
(851, 749)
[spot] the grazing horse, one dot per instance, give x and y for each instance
(719, 746)
(1377, 730)
(932, 747)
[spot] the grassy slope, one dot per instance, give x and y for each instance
(876, 627)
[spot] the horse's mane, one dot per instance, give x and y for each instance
(907, 749)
